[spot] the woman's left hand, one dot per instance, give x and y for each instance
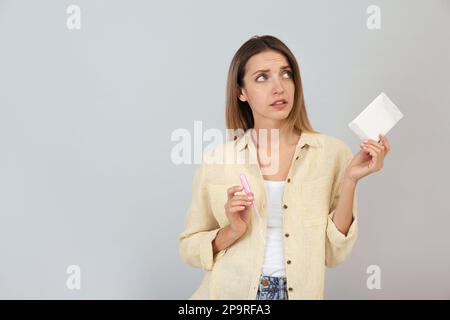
(369, 159)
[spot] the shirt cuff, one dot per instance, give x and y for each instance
(336, 237)
(206, 249)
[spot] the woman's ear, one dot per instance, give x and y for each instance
(242, 95)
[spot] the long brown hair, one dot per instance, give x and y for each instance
(238, 114)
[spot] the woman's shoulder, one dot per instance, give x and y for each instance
(333, 144)
(333, 147)
(218, 153)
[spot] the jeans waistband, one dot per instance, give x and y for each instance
(268, 281)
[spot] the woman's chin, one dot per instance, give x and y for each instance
(280, 114)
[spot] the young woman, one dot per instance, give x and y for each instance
(305, 198)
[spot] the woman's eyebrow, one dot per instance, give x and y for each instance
(267, 70)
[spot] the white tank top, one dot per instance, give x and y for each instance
(274, 247)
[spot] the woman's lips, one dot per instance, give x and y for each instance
(279, 106)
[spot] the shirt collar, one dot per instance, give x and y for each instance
(306, 138)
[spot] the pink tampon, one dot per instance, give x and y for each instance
(245, 184)
(248, 192)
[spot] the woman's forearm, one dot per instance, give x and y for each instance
(343, 216)
(224, 238)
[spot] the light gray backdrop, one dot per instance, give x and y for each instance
(86, 117)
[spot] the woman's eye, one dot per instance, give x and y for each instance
(289, 74)
(262, 75)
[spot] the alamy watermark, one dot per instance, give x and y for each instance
(374, 20)
(73, 281)
(190, 149)
(73, 21)
(374, 280)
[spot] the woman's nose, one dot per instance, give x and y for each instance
(277, 87)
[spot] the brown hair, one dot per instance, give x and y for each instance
(238, 114)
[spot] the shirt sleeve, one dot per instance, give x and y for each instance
(201, 227)
(338, 245)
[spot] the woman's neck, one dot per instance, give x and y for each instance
(266, 137)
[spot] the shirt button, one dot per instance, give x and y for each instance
(289, 180)
(290, 289)
(286, 235)
(288, 262)
(285, 206)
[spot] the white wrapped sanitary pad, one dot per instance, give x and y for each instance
(380, 116)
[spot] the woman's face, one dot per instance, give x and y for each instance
(268, 78)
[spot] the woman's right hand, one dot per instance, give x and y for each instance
(238, 210)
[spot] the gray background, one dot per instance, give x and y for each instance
(86, 117)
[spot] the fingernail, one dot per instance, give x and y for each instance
(365, 141)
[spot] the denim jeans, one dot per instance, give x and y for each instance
(272, 288)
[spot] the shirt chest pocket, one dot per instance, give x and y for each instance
(316, 195)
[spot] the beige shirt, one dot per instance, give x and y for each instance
(311, 239)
